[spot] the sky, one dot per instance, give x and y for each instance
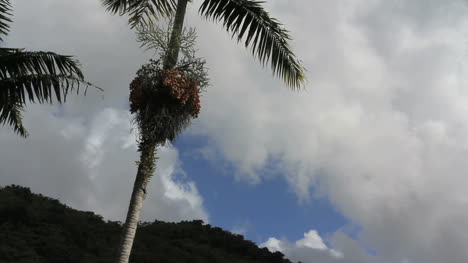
(366, 164)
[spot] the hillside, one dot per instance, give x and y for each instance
(35, 228)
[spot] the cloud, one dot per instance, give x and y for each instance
(272, 244)
(380, 130)
(311, 239)
(90, 165)
(312, 248)
(83, 152)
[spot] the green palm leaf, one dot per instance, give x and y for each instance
(266, 37)
(11, 115)
(33, 76)
(41, 87)
(5, 8)
(140, 11)
(37, 75)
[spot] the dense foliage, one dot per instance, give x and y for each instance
(35, 228)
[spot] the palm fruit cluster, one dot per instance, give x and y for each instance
(184, 90)
(163, 101)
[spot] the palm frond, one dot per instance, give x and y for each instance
(140, 11)
(37, 75)
(266, 37)
(42, 88)
(5, 8)
(10, 114)
(16, 62)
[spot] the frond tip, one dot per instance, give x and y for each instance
(266, 37)
(140, 11)
(5, 8)
(10, 114)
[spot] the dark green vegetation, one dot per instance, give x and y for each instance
(35, 228)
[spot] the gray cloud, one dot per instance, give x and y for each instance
(380, 130)
(92, 166)
(83, 152)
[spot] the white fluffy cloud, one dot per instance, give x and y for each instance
(311, 248)
(273, 244)
(311, 239)
(90, 165)
(381, 129)
(84, 152)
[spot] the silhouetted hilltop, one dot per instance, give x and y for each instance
(35, 228)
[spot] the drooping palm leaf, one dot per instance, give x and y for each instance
(266, 37)
(5, 8)
(37, 75)
(41, 87)
(11, 114)
(16, 62)
(140, 11)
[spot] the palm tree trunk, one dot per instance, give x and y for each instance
(145, 171)
(147, 158)
(174, 43)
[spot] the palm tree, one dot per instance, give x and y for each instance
(244, 19)
(163, 102)
(31, 76)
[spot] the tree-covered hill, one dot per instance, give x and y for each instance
(35, 228)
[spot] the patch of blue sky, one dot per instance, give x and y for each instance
(258, 211)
